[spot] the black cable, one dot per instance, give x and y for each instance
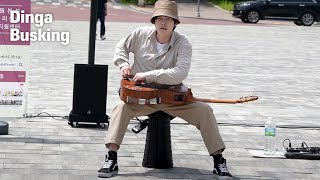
(289, 146)
(256, 125)
(138, 119)
(278, 126)
(220, 124)
(252, 125)
(304, 143)
(48, 115)
(304, 149)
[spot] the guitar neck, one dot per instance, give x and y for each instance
(229, 101)
(190, 98)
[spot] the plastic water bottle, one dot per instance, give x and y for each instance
(269, 137)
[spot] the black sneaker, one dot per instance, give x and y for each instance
(220, 169)
(110, 166)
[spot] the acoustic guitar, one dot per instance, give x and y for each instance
(150, 93)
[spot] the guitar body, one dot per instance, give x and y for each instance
(174, 94)
(133, 90)
(150, 93)
(143, 93)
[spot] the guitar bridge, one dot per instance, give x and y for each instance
(155, 100)
(143, 101)
(150, 101)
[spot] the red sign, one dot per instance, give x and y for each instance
(6, 6)
(13, 76)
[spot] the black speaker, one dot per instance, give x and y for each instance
(89, 94)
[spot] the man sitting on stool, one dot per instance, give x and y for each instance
(163, 56)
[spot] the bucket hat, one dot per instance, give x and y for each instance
(165, 8)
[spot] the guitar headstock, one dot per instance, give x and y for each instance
(247, 99)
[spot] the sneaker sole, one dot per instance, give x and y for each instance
(107, 175)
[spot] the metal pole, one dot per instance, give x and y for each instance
(198, 15)
(140, 2)
(92, 32)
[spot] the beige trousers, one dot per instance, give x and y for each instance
(198, 114)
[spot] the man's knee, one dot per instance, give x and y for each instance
(122, 105)
(123, 108)
(204, 107)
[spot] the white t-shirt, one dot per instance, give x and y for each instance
(159, 46)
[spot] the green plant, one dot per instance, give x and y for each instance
(225, 4)
(150, 1)
(129, 1)
(136, 1)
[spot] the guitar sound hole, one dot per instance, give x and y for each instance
(178, 98)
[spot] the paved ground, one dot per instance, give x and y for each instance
(278, 63)
(75, 3)
(188, 12)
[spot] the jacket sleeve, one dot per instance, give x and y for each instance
(123, 49)
(179, 72)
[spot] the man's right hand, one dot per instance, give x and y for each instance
(126, 71)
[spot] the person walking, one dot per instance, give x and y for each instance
(101, 14)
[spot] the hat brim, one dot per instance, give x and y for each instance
(164, 12)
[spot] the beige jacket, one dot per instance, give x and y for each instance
(170, 66)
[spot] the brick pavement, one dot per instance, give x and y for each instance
(187, 9)
(79, 3)
(277, 63)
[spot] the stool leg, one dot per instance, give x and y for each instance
(158, 152)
